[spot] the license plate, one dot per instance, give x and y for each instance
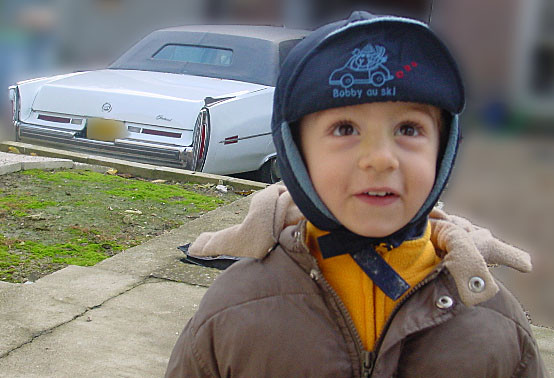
(105, 129)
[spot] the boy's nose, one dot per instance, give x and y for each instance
(377, 155)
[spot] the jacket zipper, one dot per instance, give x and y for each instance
(431, 276)
(367, 363)
(366, 357)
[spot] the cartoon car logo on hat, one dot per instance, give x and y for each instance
(365, 66)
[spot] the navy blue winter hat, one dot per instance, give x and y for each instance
(366, 58)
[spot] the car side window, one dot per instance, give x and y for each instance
(195, 54)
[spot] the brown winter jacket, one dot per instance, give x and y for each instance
(276, 316)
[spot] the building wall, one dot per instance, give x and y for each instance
(95, 32)
(483, 35)
(506, 48)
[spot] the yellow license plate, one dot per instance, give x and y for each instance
(105, 129)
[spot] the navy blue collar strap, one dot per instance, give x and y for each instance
(381, 273)
(369, 260)
(362, 250)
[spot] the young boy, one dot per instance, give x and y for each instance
(365, 126)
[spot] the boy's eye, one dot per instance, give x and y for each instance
(408, 129)
(344, 129)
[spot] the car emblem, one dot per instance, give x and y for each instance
(162, 118)
(107, 107)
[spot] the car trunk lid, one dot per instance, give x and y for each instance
(161, 105)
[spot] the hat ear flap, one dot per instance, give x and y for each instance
(296, 177)
(445, 168)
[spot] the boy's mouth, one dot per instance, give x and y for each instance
(379, 194)
(378, 197)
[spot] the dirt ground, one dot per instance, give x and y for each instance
(507, 185)
(55, 218)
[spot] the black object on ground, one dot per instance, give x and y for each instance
(219, 262)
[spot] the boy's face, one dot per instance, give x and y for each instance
(373, 164)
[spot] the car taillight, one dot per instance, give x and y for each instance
(14, 99)
(201, 139)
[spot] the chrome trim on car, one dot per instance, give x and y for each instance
(269, 157)
(13, 91)
(130, 149)
(201, 139)
(235, 139)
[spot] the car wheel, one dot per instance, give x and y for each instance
(378, 79)
(269, 172)
(346, 80)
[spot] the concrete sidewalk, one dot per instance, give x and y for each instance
(118, 318)
(122, 316)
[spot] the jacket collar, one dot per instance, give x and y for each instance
(465, 252)
(274, 218)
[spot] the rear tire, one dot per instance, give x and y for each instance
(347, 80)
(269, 172)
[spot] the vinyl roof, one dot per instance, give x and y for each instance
(257, 51)
(270, 33)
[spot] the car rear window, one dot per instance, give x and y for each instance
(195, 54)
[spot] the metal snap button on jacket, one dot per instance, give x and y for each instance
(476, 284)
(444, 302)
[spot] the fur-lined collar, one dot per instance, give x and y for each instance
(466, 249)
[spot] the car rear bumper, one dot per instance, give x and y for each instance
(129, 149)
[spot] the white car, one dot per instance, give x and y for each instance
(194, 97)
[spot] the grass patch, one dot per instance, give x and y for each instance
(51, 219)
(17, 205)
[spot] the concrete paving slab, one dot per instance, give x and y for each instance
(28, 310)
(47, 164)
(5, 286)
(91, 167)
(129, 336)
(25, 148)
(6, 157)
(86, 286)
(6, 168)
(187, 273)
(12, 162)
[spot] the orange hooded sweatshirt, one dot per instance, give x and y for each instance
(368, 306)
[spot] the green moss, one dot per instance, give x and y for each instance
(8, 260)
(15, 204)
(131, 189)
(37, 204)
(65, 177)
(138, 190)
(75, 252)
(50, 219)
(78, 251)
